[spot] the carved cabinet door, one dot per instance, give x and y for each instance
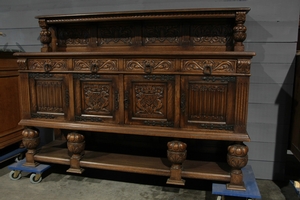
(49, 96)
(207, 102)
(96, 98)
(149, 100)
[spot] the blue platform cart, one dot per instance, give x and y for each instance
(36, 175)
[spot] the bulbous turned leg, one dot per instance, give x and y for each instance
(176, 154)
(237, 158)
(31, 141)
(76, 145)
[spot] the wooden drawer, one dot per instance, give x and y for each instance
(208, 66)
(47, 65)
(95, 65)
(150, 65)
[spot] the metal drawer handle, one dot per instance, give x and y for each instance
(94, 67)
(148, 68)
(207, 70)
(47, 67)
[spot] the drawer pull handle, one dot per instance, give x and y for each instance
(47, 67)
(94, 67)
(207, 70)
(148, 68)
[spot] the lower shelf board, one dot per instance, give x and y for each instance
(57, 153)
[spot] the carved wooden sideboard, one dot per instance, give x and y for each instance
(179, 74)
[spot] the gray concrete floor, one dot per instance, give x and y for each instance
(108, 185)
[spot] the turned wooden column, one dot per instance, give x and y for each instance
(176, 154)
(239, 31)
(237, 158)
(31, 141)
(45, 36)
(76, 145)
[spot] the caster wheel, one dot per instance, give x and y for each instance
(35, 179)
(13, 177)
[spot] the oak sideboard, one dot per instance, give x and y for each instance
(178, 74)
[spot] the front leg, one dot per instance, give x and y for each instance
(237, 158)
(177, 155)
(76, 145)
(31, 141)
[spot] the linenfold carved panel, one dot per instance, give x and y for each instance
(208, 102)
(221, 66)
(49, 96)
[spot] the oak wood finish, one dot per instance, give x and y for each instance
(10, 131)
(172, 73)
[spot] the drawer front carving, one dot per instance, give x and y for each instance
(149, 102)
(96, 98)
(49, 95)
(47, 65)
(149, 66)
(95, 65)
(207, 66)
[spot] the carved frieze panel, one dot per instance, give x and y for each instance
(216, 66)
(207, 102)
(115, 35)
(73, 36)
(168, 34)
(207, 34)
(149, 65)
(95, 65)
(96, 98)
(47, 64)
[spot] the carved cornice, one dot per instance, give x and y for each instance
(22, 63)
(145, 15)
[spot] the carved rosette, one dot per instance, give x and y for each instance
(239, 31)
(237, 158)
(76, 145)
(31, 141)
(243, 66)
(45, 36)
(176, 154)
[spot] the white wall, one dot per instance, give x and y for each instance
(272, 34)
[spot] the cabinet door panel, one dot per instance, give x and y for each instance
(149, 100)
(207, 102)
(49, 95)
(96, 98)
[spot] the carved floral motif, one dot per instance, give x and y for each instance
(149, 99)
(100, 64)
(156, 65)
(47, 64)
(96, 97)
(216, 65)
